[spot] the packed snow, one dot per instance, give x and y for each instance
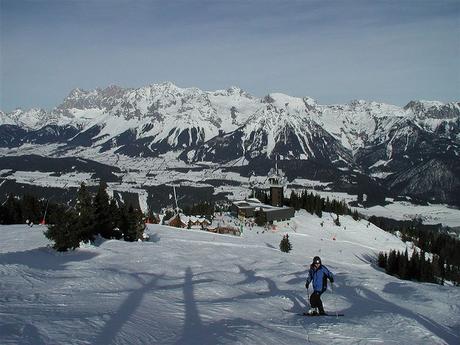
(194, 287)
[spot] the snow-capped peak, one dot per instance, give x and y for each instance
(5, 119)
(282, 100)
(165, 112)
(433, 109)
(428, 104)
(33, 118)
(357, 102)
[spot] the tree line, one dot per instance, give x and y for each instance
(205, 209)
(418, 267)
(315, 204)
(312, 203)
(92, 215)
(95, 215)
(17, 210)
(429, 238)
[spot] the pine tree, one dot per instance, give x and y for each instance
(115, 220)
(403, 264)
(85, 213)
(12, 213)
(65, 232)
(426, 269)
(392, 263)
(337, 220)
(53, 211)
(327, 205)
(123, 223)
(311, 203)
(285, 244)
(355, 215)
(134, 225)
(382, 260)
(294, 201)
(414, 265)
(103, 224)
(318, 206)
(422, 268)
(406, 261)
(442, 269)
(30, 207)
(436, 269)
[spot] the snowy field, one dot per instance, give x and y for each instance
(138, 173)
(193, 287)
(429, 214)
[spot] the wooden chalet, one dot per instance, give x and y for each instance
(182, 221)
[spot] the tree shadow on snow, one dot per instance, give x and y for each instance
(367, 259)
(129, 306)
(298, 301)
(300, 277)
(26, 334)
(126, 309)
(195, 331)
(31, 336)
(403, 289)
(154, 238)
(366, 302)
(44, 258)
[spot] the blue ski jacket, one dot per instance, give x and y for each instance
(319, 278)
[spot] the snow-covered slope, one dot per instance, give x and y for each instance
(282, 127)
(192, 287)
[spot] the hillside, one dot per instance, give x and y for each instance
(192, 287)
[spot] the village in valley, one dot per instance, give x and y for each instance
(243, 215)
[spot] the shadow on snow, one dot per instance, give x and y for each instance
(44, 258)
(365, 302)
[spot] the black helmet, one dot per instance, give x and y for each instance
(317, 260)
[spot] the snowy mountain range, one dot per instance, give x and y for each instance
(412, 151)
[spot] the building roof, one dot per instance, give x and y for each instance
(244, 204)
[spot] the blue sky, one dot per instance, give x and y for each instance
(333, 51)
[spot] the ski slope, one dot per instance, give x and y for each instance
(193, 287)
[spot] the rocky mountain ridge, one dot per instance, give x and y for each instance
(390, 145)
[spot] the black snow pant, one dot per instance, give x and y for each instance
(315, 301)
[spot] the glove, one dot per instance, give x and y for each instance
(307, 285)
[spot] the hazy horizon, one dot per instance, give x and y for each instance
(49, 108)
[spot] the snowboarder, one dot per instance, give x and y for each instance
(317, 275)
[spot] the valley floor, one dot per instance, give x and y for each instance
(193, 287)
